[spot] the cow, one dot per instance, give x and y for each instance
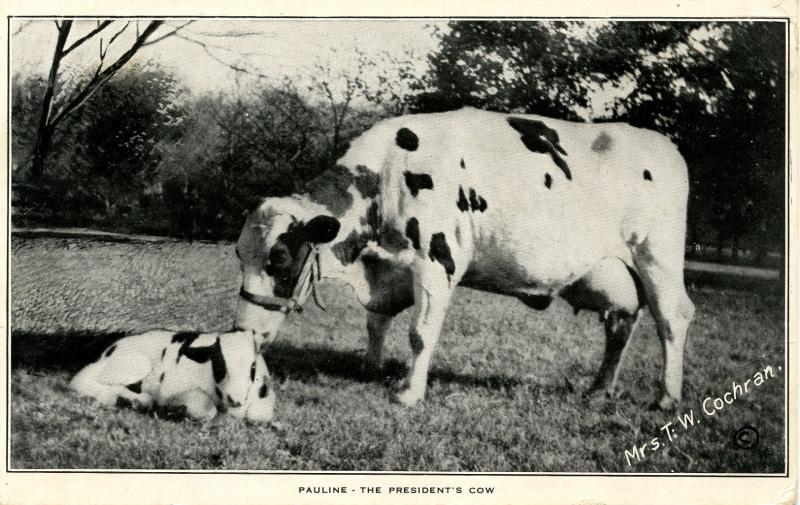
(520, 205)
(201, 373)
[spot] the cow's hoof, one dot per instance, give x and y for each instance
(407, 397)
(667, 403)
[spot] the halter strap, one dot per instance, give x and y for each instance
(306, 284)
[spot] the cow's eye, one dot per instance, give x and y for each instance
(253, 372)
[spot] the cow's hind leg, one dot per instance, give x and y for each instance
(619, 326)
(433, 289)
(672, 310)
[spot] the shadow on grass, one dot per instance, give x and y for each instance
(306, 363)
(71, 351)
(68, 351)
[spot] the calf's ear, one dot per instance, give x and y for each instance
(320, 229)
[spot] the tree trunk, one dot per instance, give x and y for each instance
(44, 139)
(44, 134)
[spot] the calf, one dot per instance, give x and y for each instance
(205, 373)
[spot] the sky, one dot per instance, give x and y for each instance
(270, 47)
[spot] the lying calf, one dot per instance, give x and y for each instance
(205, 373)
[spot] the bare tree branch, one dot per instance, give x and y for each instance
(101, 77)
(102, 26)
(21, 27)
(168, 34)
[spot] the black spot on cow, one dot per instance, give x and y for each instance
(462, 202)
(440, 251)
(347, 250)
(330, 188)
(463, 165)
(111, 350)
(263, 390)
(136, 387)
(161, 377)
(367, 182)
(647, 175)
(602, 143)
(539, 138)
(476, 202)
(416, 182)
(253, 372)
(473, 199)
(548, 180)
(412, 232)
(406, 139)
(218, 392)
(163, 353)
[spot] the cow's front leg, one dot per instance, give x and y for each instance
(432, 291)
(377, 326)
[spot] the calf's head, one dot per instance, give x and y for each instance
(242, 384)
(273, 249)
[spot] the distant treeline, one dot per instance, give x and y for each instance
(143, 155)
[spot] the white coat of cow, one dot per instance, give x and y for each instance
(519, 205)
(203, 373)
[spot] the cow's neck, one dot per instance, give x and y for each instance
(352, 197)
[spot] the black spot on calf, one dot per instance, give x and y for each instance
(163, 353)
(647, 175)
(111, 350)
(136, 387)
(463, 203)
(463, 165)
(415, 182)
(161, 377)
(263, 390)
(406, 139)
(412, 232)
(183, 336)
(539, 138)
(482, 205)
(548, 181)
(253, 372)
(440, 251)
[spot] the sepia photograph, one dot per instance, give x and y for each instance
(408, 245)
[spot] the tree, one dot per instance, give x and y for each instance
(510, 66)
(50, 119)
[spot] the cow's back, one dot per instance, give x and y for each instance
(527, 217)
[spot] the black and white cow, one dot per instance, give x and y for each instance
(519, 205)
(205, 373)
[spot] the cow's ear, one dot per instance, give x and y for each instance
(320, 230)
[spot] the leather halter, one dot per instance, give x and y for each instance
(306, 284)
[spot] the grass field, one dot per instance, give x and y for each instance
(504, 392)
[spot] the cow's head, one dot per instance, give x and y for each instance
(275, 250)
